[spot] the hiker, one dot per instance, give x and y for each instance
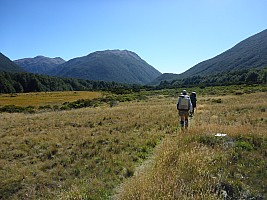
(184, 105)
(193, 98)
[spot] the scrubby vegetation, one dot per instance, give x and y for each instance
(135, 150)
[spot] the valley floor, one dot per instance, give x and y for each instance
(91, 153)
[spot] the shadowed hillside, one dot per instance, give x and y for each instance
(7, 65)
(110, 65)
(249, 53)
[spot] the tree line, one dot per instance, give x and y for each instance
(28, 82)
(246, 76)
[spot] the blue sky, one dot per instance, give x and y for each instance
(171, 35)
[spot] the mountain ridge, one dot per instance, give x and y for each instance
(39, 64)
(248, 53)
(109, 65)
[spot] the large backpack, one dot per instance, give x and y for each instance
(183, 103)
(193, 98)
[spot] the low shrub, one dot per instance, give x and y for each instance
(17, 109)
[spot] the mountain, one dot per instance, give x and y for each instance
(111, 65)
(7, 65)
(249, 53)
(39, 64)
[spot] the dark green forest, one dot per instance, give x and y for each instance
(28, 82)
(240, 77)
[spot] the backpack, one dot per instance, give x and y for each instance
(193, 98)
(183, 103)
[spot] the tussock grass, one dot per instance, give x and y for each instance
(79, 154)
(172, 174)
(137, 151)
(197, 165)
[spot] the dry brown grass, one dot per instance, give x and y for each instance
(81, 153)
(86, 153)
(197, 165)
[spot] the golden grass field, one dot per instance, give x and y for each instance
(45, 98)
(197, 165)
(136, 150)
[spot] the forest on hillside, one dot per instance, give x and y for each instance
(28, 82)
(246, 76)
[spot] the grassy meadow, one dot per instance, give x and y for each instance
(135, 150)
(196, 164)
(45, 98)
(81, 153)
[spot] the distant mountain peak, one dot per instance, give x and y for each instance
(116, 52)
(39, 64)
(122, 66)
(109, 65)
(40, 57)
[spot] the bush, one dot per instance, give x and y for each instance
(65, 107)
(113, 103)
(216, 100)
(18, 109)
(244, 145)
(45, 107)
